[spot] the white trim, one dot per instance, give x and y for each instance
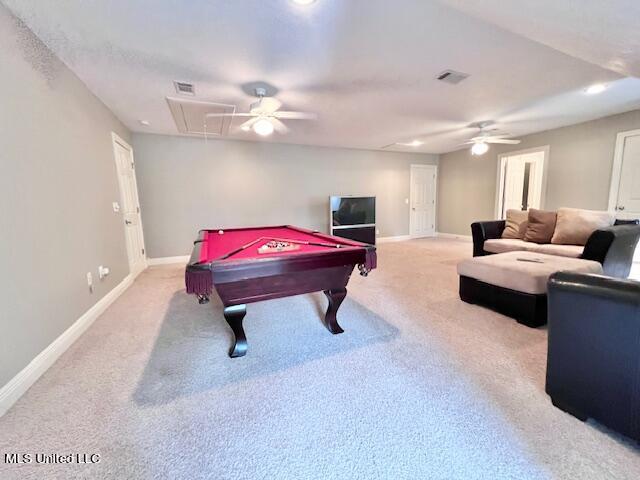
(184, 259)
(501, 172)
(398, 238)
(435, 197)
(117, 138)
(454, 236)
(18, 385)
(616, 169)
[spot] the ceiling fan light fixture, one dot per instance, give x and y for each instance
(479, 148)
(263, 127)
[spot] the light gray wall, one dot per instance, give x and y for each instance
(578, 172)
(187, 184)
(57, 183)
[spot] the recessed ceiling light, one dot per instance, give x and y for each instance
(413, 143)
(146, 123)
(479, 148)
(303, 2)
(263, 127)
(595, 89)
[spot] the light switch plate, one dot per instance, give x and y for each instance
(116, 207)
(103, 272)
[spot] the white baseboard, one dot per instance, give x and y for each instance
(18, 385)
(184, 259)
(453, 236)
(399, 238)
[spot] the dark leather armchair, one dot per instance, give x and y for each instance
(593, 361)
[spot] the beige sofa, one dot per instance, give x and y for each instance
(563, 233)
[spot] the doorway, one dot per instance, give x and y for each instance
(422, 217)
(624, 192)
(521, 180)
(129, 205)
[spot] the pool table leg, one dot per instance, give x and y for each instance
(234, 315)
(335, 296)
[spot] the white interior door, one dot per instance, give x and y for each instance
(130, 206)
(422, 219)
(513, 183)
(628, 204)
(627, 201)
(521, 180)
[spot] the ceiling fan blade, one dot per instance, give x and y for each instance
(247, 125)
(279, 126)
(502, 140)
(269, 104)
(295, 115)
(219, 115)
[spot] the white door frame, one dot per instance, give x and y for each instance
(502, 158)
(117, 140)
(435, 197)
(616, 169)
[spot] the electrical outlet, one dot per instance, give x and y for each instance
(90, 281)
(377, 231)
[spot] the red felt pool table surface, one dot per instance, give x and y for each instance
(215, 246)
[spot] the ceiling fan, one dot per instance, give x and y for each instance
(265, 116)
(480, 143)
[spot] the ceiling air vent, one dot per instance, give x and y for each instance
(452, 77)
(184, 88)
(193, 117)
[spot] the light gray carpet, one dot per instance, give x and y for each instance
(420, 386)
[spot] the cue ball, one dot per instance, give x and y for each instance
(220, 232)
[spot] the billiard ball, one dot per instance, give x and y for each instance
(220, 232)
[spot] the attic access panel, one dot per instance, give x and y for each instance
(190, 116)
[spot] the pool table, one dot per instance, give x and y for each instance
(233, 262)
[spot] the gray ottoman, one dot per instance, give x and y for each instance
(515, 283)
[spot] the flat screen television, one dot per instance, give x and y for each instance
(352, 210)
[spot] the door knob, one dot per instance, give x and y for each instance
(127, 222)
(620, 207)
(413, 208)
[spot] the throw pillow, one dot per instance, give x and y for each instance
(574, 226)
(516, 224)
(541, 226)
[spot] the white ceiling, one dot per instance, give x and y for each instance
(366, 67)
(601, 32)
